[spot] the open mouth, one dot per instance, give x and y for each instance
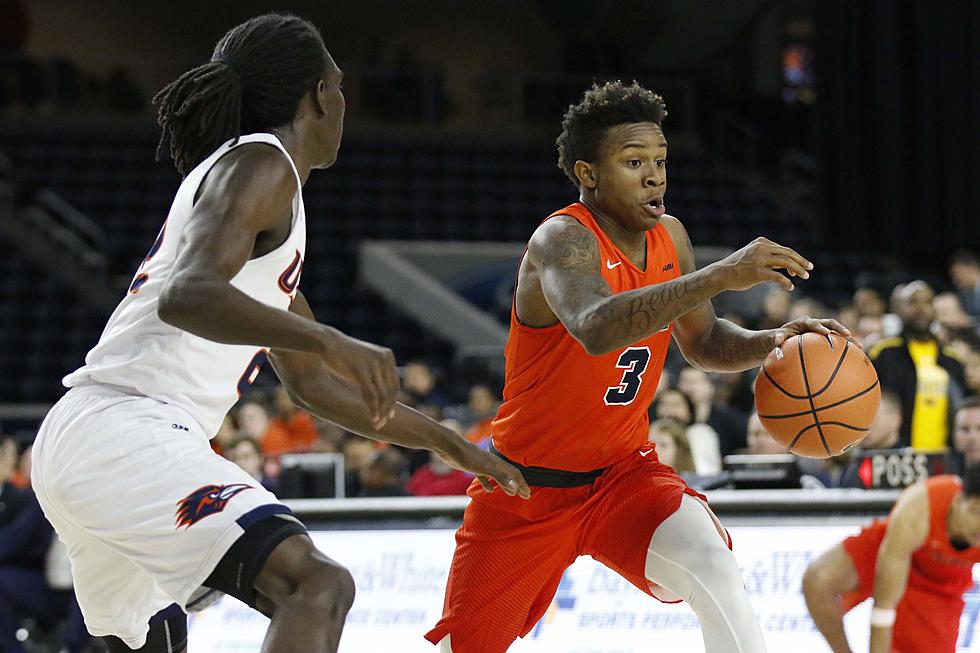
(655, 207)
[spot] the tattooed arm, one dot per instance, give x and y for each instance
(565, 257)
(712, 343)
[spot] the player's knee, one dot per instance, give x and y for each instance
(328, 587)
(815, 578)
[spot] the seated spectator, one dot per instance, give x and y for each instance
(966, 432)
(674, 404)
(436, 478)
(227, 432)
(329, 437)
(419, 384)
(245, 452)
(869, 303)
(252, 417)
(479, 413)
(775, 308)
(949, 312)
(972, 373)
(291, 430)
(727, 422)
(358, 452)
(384, 475)
(926, 377)
(964, 270)
(884, 433)
(670, 438)
(25, 540)
(758, 440)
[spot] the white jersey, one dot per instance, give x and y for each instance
(141, 353)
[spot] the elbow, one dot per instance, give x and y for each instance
(593, 339)
(168, 306)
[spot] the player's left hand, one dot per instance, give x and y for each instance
(807, 325)
(487, 467)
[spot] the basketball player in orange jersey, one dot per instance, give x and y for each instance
(153, 519)
(603, 285)
(916, 564)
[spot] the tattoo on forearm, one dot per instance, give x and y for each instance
(729, 347)
(651, 308)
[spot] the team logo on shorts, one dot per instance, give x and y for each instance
(205, 500)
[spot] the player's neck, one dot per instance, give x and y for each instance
(294, 141)
(630, 243)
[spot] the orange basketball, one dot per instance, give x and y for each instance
(816, 395)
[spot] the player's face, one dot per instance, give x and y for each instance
(331, 126)
(966, 434)
(629, 178)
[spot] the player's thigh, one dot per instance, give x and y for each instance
(502, 579)
(627, 512)
(834, 571)
(140, 477)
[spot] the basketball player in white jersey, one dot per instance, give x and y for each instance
(122, 465)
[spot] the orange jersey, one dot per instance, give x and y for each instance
(566, 409)
(938, 567)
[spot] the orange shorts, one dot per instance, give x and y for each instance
(926, 622)
(511, 553)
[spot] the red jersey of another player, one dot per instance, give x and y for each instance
(567, 409)
(929, 613)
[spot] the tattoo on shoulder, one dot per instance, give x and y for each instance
(571, 247)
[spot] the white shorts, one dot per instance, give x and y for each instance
(145, 507)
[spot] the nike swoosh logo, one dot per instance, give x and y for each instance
(611, 265)
(646, 453)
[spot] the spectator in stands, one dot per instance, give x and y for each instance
(775, 308)
(966, 430)
(480, 411)
(964, 270)
(252, 417)
(806, 306)
(869, 330)
(436, 478)
(674, 404)
(245, 452)
(358, 452)
(726, 421)
(329, 437)
(226, 433)
(884, 433)
(384, 475)
(291, 430)
(869, 302)
(949, 312)
(973, 372)
(419, 383)
(25, 538)
(758, 439)
(926, 377)
(673, 448)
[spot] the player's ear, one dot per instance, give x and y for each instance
(320, 97)
(586, 174)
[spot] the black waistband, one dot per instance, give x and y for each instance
(545, 477)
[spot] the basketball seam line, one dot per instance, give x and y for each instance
(781, 388)
(806, 384)
(827, 407)
(833, 375)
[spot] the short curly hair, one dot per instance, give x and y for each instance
(601, 107)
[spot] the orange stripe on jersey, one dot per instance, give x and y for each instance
(565, 409)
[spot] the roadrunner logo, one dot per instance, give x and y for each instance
(205, 500)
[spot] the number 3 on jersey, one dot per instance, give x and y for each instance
(634, 360)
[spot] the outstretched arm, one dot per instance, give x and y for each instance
(312, 386)
(566, 256)
(713, 343)
(908, 527)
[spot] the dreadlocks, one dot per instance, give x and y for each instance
(259, 72)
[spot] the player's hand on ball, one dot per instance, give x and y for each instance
(488, 467)
(808, 324)
(372, 368)
(759, 261)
